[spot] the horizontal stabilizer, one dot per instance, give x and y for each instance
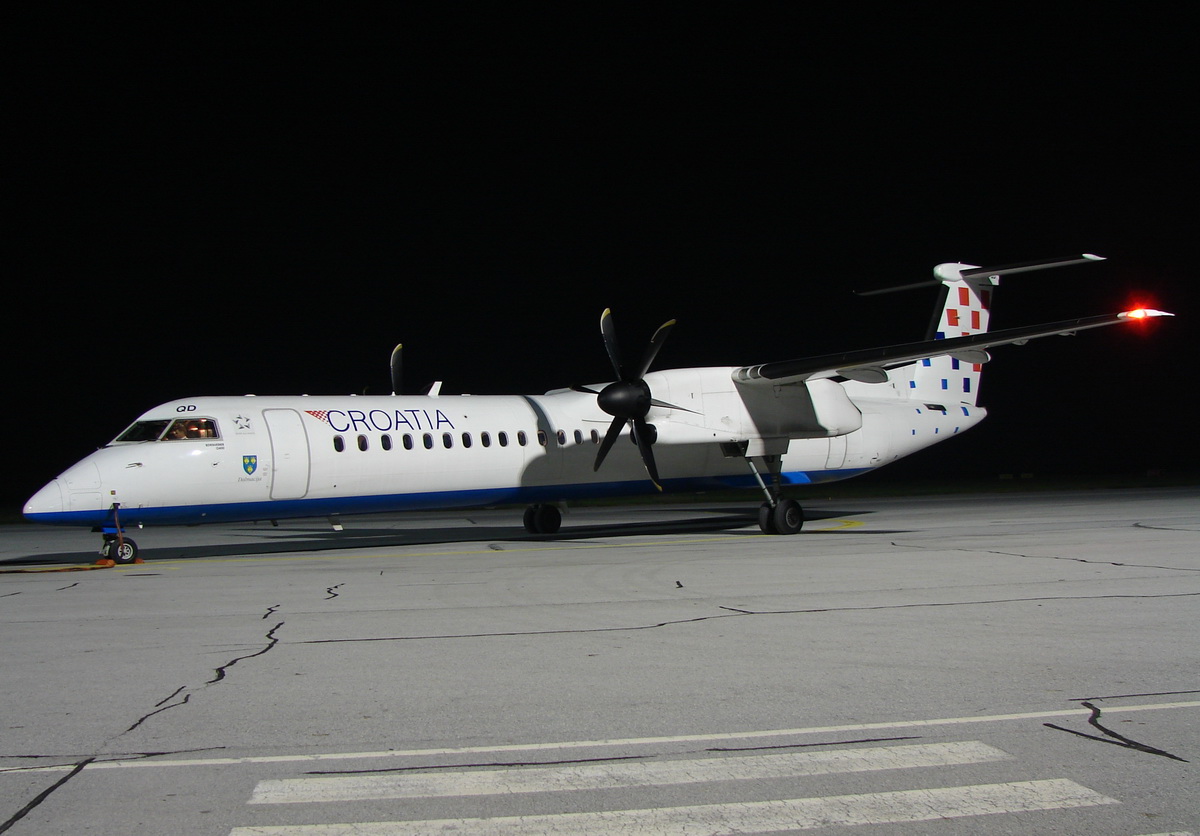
(958, 272)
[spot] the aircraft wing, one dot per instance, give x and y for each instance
(869, 364)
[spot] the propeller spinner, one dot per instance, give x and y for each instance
(628, 399)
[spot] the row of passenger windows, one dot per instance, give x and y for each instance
(449, 440)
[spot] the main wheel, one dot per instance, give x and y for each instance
(788, 516)
(542, 519)
(766, 518)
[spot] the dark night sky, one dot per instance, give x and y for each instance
(251, 204)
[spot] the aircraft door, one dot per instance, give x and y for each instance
(289, 453)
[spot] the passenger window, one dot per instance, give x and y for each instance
(503, 438)
(595, 436)
(362, 443)
(579, 436)
(485, 439)
(408, 441)
(466, 439)
(447, 440)
(522, 439)
(541, 437)
(386, 442)
(339, 443)
(562, 439)
(427, 439)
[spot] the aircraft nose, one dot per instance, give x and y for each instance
(49, 500)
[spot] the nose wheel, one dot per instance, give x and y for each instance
(120, 550)
(117, 549)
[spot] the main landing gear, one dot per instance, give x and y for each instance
(785, 517)
(778, 515)
(542, 519)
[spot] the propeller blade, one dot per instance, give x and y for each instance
(575, 387)
(642, 433)
(629, 398)
(609, 332)
(656, 342)
(397, 369)
(610, 437)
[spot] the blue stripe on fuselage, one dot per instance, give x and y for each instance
(320, 507)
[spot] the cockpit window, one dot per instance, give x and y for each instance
(167, 430)
(144, 431)
(182, 428)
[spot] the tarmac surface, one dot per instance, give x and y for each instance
(955, 664)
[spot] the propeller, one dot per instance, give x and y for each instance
(397, 367)
(628, 399)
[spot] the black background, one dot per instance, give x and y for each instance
(219, 202)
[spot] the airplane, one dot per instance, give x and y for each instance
(767, 426)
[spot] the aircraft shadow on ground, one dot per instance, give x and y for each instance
(259, 541)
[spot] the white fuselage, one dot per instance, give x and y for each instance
(273, 457)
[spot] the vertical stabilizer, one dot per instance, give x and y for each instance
(965, 309)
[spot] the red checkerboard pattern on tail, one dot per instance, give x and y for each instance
(965, 311)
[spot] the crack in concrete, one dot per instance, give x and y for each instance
(43, 795)
(271, 642)
(332, 593)
(1164, 528)
(219, 674)
(146, 717)
(1046, 557)
(115, 757)
(162, 705)
(733, 612)
(1117, 739)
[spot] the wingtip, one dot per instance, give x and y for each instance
(1142, 313)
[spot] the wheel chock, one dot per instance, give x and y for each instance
(106, 562)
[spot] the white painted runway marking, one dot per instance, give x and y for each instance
(750, 817)
(152, 763)
(620, 774)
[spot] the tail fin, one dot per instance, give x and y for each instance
(965, 308)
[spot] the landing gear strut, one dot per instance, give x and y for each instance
(778, 515)
(542, 519)
(116, 546)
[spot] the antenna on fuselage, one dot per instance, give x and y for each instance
(397, 369)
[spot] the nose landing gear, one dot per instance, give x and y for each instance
(117, 549)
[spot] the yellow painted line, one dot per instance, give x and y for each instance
(842, 525)
(44, 570)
